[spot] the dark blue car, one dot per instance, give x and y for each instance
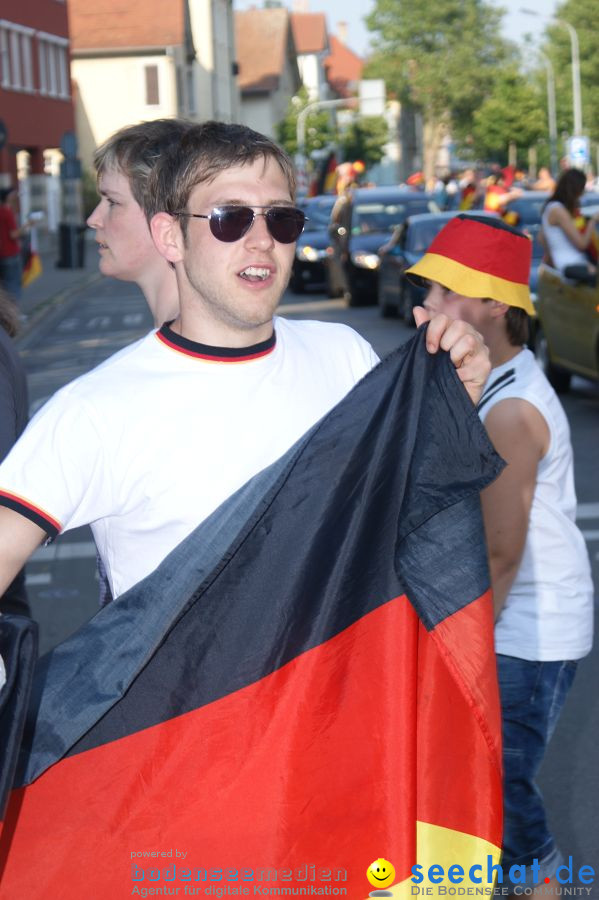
(311, 249)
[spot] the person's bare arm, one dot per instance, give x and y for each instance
(520, 435)
(559, 215)
(19, 537)
(467, 350)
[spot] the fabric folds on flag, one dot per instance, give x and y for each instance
(306, 684)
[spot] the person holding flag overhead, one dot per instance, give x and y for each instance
(478, 270)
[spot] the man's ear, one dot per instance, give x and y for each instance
(166, 234)
(498, 309)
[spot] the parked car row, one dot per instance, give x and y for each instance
(360, 246)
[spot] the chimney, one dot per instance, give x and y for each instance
(342, 32)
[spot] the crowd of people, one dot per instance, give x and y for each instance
(569, 238)
(203, 219)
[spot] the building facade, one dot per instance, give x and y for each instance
(36, 109)
(147, 60)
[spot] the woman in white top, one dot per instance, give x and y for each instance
(565, 243)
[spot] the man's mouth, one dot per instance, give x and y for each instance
(255, 273)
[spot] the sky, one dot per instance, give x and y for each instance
(353, 12)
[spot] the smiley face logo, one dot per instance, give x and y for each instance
(380, 873)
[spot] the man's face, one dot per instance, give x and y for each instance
(238, 284)
(455, 306)
(124, 240)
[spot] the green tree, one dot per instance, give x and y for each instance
(319, 130)
(440, 57)
(365, 139)
(513, 111)
(582, 15)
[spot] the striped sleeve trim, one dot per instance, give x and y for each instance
(38, 516)
(503, 381)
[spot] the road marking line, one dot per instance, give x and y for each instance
(61, 551)
(40, 578)
(587, 511)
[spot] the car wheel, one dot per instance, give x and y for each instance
(559, 379)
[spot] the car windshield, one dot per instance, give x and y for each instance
(318, 213)
(382, 216)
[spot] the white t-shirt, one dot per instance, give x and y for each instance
(548, 614)
(562, 250)
(149, 443)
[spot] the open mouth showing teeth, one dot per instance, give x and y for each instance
(253, 273)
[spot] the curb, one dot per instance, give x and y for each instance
(42, 312)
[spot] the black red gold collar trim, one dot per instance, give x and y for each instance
(214, 354)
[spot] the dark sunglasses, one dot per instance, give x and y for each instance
(230, 223)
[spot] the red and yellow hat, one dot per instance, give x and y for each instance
(480, 257)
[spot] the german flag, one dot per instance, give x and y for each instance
(306, 684)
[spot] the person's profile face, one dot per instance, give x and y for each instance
(122, 234)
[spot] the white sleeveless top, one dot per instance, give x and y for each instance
(548, 614)
(562, 250)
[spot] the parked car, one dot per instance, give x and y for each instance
(398, 294)
(567, 328)
(311, 249)
(361, 222)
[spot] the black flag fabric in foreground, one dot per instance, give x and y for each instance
(18, 653)
(306, 684)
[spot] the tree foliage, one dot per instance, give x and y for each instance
(319, 128)
(365, 139)
(440, 57)
(514, 111)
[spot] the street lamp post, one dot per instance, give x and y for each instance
(576, 98)
(551, 114)
(576, 101)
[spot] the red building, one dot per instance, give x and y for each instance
(36, 107)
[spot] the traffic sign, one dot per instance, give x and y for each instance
(579, 151)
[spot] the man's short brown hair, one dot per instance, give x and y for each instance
(518, 326)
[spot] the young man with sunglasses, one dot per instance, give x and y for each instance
(152, 441)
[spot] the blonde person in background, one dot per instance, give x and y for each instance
(123, 165)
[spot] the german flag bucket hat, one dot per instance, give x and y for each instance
(480, 256)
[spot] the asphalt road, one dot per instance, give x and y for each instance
(95, 322)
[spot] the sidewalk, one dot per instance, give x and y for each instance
(54, 284)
